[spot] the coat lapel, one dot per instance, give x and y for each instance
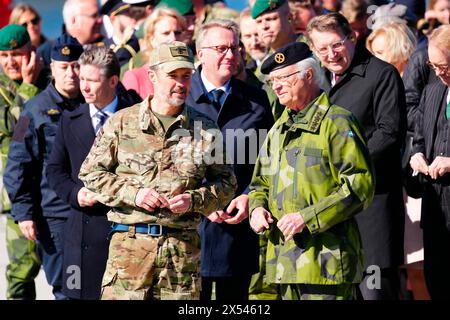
(437, 97)
(81, 126)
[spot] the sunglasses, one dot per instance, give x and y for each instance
(33, 21)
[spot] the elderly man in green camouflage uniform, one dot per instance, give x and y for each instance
(312, 176)
(17, 84)
(153, 164)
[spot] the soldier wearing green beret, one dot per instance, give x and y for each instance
(21, 73)
(273, 18)
(313, 174)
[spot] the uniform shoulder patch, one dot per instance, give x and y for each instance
(21, 129)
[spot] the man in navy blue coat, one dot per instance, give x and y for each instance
(41, 215)
(86, 244)
(230, 249)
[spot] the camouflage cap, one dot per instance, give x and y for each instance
(170, 56)
(13, 36)
(262, 6)
(184, 7)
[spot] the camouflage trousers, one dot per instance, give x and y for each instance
(142, 267)
(24, 263)
(259, 288)
(346, 291)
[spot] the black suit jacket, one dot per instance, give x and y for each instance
(373, 91)
(229, 250)
(86, 243)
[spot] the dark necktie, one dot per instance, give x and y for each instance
(101, 116)
(217, 94)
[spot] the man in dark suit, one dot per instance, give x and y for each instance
(373, 91)
(41, 215)
(229, 248)
(432, 159)
(86, 243)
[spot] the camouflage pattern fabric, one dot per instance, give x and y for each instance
(12, 98)
(134, 152)
(142, 267)
(346, 291)
(24, 266)
(315, 163)
(214, 12)
(259, 288)
(24, 263)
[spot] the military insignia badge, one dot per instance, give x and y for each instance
(65, 51)
(179, 51)
(13, 43)
(53, 112)
(272, 5)
(279, 58)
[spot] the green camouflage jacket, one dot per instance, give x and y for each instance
(134, 152)
(314, 163)
(12, 98)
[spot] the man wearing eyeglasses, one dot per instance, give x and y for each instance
(373, 91)
(230, 250)
(312, 176)
(432, 160)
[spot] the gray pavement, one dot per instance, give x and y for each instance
(43, 290)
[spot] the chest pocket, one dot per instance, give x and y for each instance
(188, 156)
(312, 164)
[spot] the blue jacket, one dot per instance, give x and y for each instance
(25, 179)
(229, 250)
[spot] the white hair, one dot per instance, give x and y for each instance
(69, 10)
(318, 73)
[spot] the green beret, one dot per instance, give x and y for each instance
(262, 6)
(13, 36)
(184, 7)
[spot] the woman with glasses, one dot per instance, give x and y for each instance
(27, 16)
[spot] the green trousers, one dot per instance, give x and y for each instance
(24, 263)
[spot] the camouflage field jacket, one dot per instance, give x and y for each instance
(315, 163)
(134, 152)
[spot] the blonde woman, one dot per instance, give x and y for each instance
(162, 25)
(394, 43)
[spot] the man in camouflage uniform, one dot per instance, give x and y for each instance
(150, 164)
(312, 175)
(17, 84)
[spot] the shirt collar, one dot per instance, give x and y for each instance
(210, 87)
(109, 109)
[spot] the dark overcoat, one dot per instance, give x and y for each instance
(230, 250)
(373, 91)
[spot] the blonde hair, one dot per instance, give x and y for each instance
(440, 37)
(20, 9)
(399, 39)
(156, 16)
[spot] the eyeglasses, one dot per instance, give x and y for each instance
(440, 67)
(335, 47)
(223, 49)
(280, 79)
(33, 21)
